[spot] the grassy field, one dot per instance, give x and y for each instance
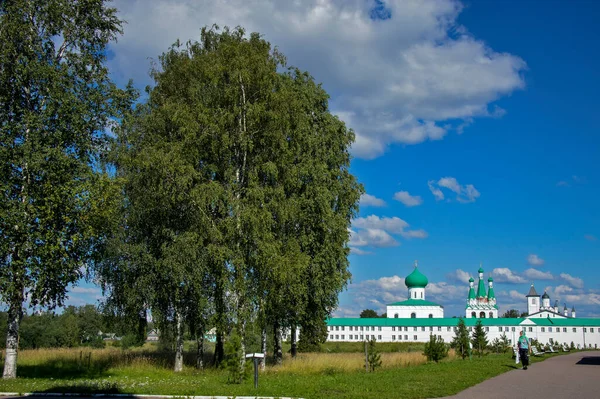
(313, 375)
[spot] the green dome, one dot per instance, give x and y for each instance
(545, 295)
(480, 270)
(491, 279)
(416, 280)
(471, 280)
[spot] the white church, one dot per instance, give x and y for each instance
(416, 318)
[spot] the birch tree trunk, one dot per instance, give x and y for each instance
(179, 342)
(294, 348)
(263, 348)
(277, 354)
(12, 338)
(200, 350)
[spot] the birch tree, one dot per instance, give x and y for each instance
(55, 101)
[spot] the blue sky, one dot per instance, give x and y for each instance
(477, 133)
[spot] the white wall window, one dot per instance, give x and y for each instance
(331, 336)
(405, 337)
(337, 336)
(342, 336)
(564, 329)
(342, 328)
(531, 329)
(393, 337)
(395, 315)
(415, 337)
(543, 329)
(337, 328)
(379, 337)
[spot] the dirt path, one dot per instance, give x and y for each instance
(575, 375)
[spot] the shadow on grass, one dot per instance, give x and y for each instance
(88, 388)
(511, 367)
(92, 365)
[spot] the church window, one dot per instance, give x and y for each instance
(331, 336)
(543, 329)
(356, 337)
(430, 316)
(473, 314)
(592, 329)
(337, 337)
(361, 328)
(584, 329)
(533, 301)
(491, 315)
(447, 328)
(362, 337)
(439, 328)
(372, 337)
(549, 329)
(413, 315)
(337, 328)
(500, 329)
(378, 328)
(482, 315)
(415, 337)
(423, 328)
(405, 337)
(564, 329)
(574, 329)
(506, 329)
(513, 329)
(430, 328)
(342, 328)
(395, 315)
(393, 337)
(405, 328)
(414, 328)
(421, 295)
(342, 336)
(531, 329)
(393, 328)
(372, 328)
(379, 337)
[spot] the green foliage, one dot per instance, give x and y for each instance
(368, 313)
(374, 357)
(479, 338)
(57, 99)
(236, 184)
(76, 326)
(238, 369)
(460, 342)
(436, 349)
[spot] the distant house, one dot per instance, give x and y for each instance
(152, 335)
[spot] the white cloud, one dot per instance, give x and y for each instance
(372, 237)
(573, 281)
(358, 251)
(534, 274)
(371, 200)
(437, 193)
(407, 199)
(408, 79)
(86, 290)
(505, 275)
(464, 194)
(459, 275)
(535, 260)
(378, 232)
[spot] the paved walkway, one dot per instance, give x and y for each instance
(574, 375)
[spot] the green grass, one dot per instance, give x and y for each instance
(150, 376)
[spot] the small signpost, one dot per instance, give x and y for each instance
(255, 357)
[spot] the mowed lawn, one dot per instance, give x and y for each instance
(312, 375)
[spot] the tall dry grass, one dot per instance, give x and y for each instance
(148, 358)
(310, 363)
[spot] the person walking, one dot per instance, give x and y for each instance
(524, 349)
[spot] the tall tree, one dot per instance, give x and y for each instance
(511, 313)
(479, 338)
(460, 342)
(368, 314)
(55, 101)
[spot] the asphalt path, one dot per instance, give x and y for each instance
(573, 375)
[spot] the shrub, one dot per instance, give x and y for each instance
(238, 368)
(435, 349)
(373, 357)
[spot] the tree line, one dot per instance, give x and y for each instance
(221, 199)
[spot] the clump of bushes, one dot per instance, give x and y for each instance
(436, 349)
